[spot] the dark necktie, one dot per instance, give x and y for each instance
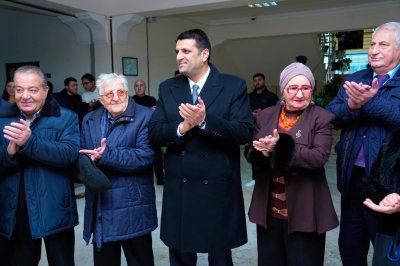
(195, 93)
(382, 79)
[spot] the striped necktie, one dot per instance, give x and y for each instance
(195, 93)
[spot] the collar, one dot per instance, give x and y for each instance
(25, 117)
(201, 82)
(264, 90)
(391, 73)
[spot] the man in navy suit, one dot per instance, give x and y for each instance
(202, 117)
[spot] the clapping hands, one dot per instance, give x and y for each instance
(96, 153)
(192, 115)
(359, 93)
(267, 144)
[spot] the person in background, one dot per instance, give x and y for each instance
(38, 152)
(203, 117)
(9, 92)
(291, 202)
(69, 97)
(141, 98)
(261, 97)
(366, 109)
(51, 87)
(91, 95)
(115, 137)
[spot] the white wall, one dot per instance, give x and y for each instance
(135, 47)
(162, 36)
(29, 37)
(268, 55)
(264, 46)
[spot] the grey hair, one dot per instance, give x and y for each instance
(390, 26)
(110, 78)
(32, 70)
(144, 83)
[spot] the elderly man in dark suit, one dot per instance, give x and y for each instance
(203, 208)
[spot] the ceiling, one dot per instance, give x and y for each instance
(207, 12)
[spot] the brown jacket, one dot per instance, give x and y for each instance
(301, 155)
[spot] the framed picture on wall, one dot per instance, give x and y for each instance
(11, 67)
(129, 66)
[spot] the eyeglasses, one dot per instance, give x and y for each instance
(110, 95)
(293, 89)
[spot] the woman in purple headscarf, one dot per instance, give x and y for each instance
(291, 202)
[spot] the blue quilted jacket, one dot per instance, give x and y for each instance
(128, 209)
(368, 126)
(47, 162)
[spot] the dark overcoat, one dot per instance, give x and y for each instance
(384, 180)
(308, 198)
(203, 207)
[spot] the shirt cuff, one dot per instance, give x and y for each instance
(179, 133)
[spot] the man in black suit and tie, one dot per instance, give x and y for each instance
(202, 117)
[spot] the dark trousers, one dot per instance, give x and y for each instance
(22, 250)
(138, 252)
(158, 166)
(216, 258)
(276, 247)
(358, 224)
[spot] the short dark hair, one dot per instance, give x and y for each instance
(202, 41)
(68, 80)
(88, 76)
(50, 85)
(259, 75)
(5, 95)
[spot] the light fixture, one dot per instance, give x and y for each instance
(264, 4)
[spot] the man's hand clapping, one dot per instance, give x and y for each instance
(359, 93)
(192, 115)
(18, 134)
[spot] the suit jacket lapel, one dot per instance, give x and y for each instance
(181, 91)
(212, 88)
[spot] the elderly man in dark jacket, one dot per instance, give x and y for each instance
(366, 108)
(115, 137)
(37, 154)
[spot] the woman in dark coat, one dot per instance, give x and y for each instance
(382, 189)
(291, 202)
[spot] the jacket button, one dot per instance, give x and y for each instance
(205, 181)
(183, 153)
(184, 180)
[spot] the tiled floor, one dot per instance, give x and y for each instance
(245, 255)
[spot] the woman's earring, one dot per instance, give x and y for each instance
(282, 101)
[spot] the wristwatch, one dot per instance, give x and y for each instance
(202, 124)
